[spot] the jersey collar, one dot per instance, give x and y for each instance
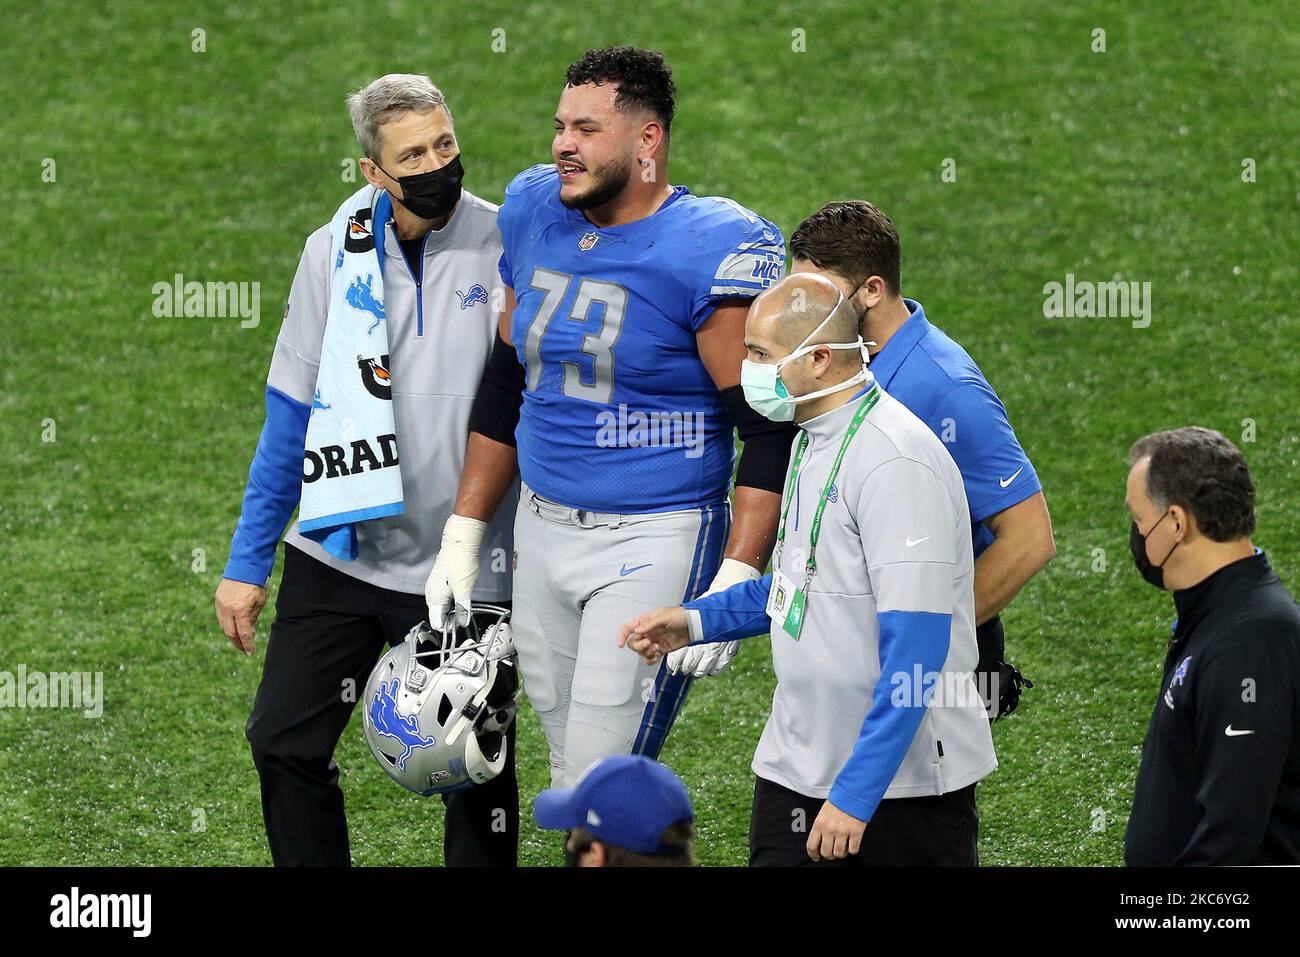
(581, 224)
(888, 360)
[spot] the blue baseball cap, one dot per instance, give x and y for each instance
(626, 800)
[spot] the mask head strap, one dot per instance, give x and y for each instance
(804, 348)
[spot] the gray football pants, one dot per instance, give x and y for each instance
(578, 577)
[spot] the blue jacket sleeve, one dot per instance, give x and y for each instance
(736, 612)
(274, 487)
(908, 639)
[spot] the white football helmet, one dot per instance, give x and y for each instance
(437, 706)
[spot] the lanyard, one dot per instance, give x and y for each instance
(811, 565)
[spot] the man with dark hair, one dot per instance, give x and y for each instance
(625, 811)
(1219, 781)
(856, 246)
(645, 82)
(614, 393)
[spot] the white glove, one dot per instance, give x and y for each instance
(455, 570)
(710, 659)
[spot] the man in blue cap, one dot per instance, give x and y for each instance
(625, 811)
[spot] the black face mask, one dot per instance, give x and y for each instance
(432, 194)
(1137, 544)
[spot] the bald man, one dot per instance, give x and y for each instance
(878, 734)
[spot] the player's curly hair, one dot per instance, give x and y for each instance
(645, 81)
(1201, 470)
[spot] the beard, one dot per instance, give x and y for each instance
(610, 181)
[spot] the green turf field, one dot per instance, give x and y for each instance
(1123, 164)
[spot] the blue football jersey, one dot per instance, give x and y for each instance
(619, 413)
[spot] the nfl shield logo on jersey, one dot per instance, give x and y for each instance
(587, 241)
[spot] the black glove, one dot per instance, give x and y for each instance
(992, 645)
(1010, 683)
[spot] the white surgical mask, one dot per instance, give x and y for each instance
(767, 394)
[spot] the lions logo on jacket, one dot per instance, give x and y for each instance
(1179, 676)
(476, 294)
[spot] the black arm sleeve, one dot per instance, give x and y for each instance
(766, 455)
(500, 395)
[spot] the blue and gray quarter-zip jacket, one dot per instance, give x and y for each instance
(875, 700)
(442, 321)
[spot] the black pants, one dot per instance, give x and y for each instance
(939, 831)
(328, 633)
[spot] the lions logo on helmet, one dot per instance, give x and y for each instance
(404, 728)
(438, 704)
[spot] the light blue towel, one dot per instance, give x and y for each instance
(350, 465)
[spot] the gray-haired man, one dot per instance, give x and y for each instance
(437, 247)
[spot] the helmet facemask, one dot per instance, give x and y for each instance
(457, 693)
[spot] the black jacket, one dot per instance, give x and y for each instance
(1220, 776)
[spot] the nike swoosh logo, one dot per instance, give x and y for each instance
(1005, 482)
(1232, 734)
(913, 544)
(624, 571)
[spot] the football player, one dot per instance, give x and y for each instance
(613, 392)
